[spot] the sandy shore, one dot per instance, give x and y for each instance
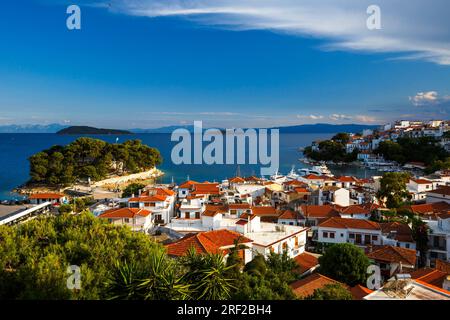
(106, 184)
(151, 174)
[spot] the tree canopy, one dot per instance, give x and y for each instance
(34, 256)
(332, 150)
(393, 190)
(331, 292)
(90, 158)
(346, 263)
(422, 149)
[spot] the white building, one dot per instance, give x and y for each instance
(440, 194)
(439, 238)
(159, 201)
(137, 219)
(342, 230)
(341, 197)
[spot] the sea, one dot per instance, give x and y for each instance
(16, 148)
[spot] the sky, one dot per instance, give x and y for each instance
(246, 63)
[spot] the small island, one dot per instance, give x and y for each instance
(93, 160)
(77, 130)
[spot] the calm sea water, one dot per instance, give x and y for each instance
(16, 148)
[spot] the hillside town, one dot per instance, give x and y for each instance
(300, 216)
(366, 143)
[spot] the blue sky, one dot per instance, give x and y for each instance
(229, 63)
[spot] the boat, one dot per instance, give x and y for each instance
(317, 170)
(277, 177)
(292, 175)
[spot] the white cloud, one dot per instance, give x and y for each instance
(416, 29)
(366, 119)
(310, 117)
(339, 117)
(428, 98)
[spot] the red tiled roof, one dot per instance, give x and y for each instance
(325, 211)
(119, 213)
(236, 180)
(355, 209)
(359, 292)
(265, 211)
(431, 276)
(443, 266)
(306, 261)
(313, 177)
(394, 254)
(294, 183)
(344, 223)
(206, 242)
(239, 206)
(55, 196)
(442, 190)
(154, 198)
(346, 179)
(301, 190)
(305, 287)
(402, 230)
(430, 208)
(290, 214)
(421, 181)
(205, 188)
(187, 184)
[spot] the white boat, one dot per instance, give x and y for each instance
(292, 175)
(278, 178)
(317, 170)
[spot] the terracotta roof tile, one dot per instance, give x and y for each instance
(119, 213)
(306, 261)
(359, 292)
(46, 196)
(344, 223)
(206, 242)
(305, 287)
(394, 254)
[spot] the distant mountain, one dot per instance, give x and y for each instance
(304, 128)
(32, 128)
(75, 130)
(168, 129)
(327, 128)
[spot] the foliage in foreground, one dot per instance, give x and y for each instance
(116, 263)
(34, 256)
(345, 263)
(331, 292)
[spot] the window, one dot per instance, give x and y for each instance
(197, 215)
(367, 238)
(186, 215)
(127, 220)
(351, 235)
(325, 234)
(374, 238)
(342, 235)
(407, 245)
(291, 223)
(332, 235)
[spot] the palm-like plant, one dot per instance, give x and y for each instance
(208, 276)
(157, 278)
